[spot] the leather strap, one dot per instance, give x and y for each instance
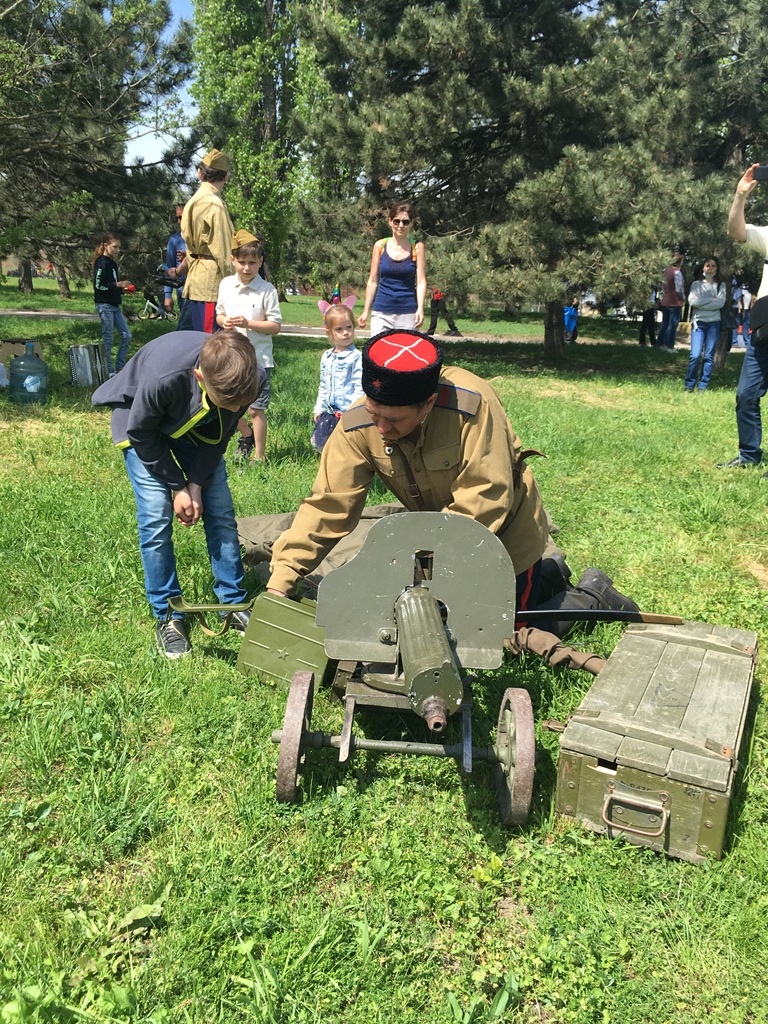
(413, 487)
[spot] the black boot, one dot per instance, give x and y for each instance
(595, 582)
(594, 590)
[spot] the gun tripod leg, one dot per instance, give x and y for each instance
(298, 715)
(516, 752)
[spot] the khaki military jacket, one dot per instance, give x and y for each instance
(207, 230)
(467, 459)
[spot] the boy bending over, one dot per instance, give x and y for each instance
(175, 407)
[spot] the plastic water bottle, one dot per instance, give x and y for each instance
(29, 378)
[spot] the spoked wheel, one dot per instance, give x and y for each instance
(298, 715)
(516, 752)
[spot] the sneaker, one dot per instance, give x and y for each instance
(737, 463)
(454, 334)
(172, 639)
(244, 448)
(238, 621)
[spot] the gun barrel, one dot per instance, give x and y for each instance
(432, 677)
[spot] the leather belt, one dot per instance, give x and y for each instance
(200, 256)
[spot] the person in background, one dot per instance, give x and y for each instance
(108, 296)
(397, 282)
(341, 371)
(176, 264)
(648, 321)
(672, 302)
(753, 380)
(571, 322)
(706, 298)
(249, 304)
(207, 231)
(437, 308)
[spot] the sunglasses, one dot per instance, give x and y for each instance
(404, 222)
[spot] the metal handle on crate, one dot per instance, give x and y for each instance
(629, 798)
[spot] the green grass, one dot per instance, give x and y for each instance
(302, 309)
(146, 872)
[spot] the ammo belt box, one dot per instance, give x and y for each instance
(651, 753)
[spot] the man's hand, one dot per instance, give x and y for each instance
(747, 183)
(236, 321)
(168, 303)
(188, 504)
(171, 272)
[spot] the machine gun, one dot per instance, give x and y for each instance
(428, 596)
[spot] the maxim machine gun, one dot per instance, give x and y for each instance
(428, 596)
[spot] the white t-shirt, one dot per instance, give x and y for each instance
(757, 239)
(256, 300)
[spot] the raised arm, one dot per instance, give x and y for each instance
(737, 224)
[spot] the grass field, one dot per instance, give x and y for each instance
(302, 309)
(146, 872)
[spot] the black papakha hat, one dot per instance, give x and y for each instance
(401, 367)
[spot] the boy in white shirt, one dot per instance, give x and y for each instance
(249, 303)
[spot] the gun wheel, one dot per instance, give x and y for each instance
(298, 714)
(516, 752)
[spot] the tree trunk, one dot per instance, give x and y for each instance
(722, 350)
(554, 343)
(61, 277)
(25, 276)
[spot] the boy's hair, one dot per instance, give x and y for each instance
(228, 366)
(211, 174)
(108, 239)
(338, 312)
(249, 251)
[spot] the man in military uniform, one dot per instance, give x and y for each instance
(440, 440)
(207, 231)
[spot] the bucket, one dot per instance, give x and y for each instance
(28, 378)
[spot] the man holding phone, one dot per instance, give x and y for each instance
(753, 381)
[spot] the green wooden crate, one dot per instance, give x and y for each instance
(652, 751)
(282, 638)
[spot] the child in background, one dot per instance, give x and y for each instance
(249, 303)
(571, 322)
(341, 371)
(107, 296)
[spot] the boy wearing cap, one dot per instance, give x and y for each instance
(249, 304)
(207, 230)
(440, 440)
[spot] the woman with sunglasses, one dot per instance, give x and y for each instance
(397, 284)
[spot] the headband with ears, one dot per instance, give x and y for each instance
(324, 306)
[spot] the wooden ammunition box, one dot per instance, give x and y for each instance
(652, 751)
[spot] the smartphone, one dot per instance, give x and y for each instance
(760, 173)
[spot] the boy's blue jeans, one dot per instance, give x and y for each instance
(154, 512)
(112, 317)
(704, 338)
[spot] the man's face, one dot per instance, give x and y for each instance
(394, 422)
(246, 269)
